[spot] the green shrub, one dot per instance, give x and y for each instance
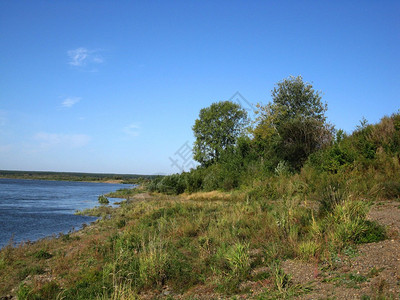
(103, 200)
(212, 180)
(373, 233)
(172, 185)
(347, 225)
(194, 180)
(152, 187)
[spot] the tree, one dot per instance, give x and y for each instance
(216, 129)
(294, 125)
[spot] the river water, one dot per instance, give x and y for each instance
(33, 209)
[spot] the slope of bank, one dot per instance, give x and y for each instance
(213, 245)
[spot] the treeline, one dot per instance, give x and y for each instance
(74, 176)
(290, 137)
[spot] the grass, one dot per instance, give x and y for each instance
(183, 243)
(125, 193)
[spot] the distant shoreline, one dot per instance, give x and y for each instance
(119, 181)
(75, 176)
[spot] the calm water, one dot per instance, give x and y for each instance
(33, 209)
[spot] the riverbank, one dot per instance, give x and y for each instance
(207, 246)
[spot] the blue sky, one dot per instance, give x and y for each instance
(115, 86)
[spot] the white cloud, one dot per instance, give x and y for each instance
(81, 57)
(70, 101)
(132, 130)
(50, 140)
(78, 56)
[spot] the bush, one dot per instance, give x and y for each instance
(152, 187)
(212, 180)
(103, 200)
(194, 180)
(373, 233)
(172, 185)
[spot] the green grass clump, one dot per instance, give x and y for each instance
(124, 193)
(349, 280)
(33, 270)
(103, 200)
(42, 254)
(49, 290)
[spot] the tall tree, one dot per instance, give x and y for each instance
(216, 129)
(294, 125)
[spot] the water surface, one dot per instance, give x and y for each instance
(34, 209)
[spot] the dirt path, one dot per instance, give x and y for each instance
(371, 272)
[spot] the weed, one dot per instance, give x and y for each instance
(283, 286)
(333, 193)
(349, 280)
(350, 251)
(308, 249)
(238, 260)
(374, 272)
(24, 291)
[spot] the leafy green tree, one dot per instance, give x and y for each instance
(294, 125)
(217, 128)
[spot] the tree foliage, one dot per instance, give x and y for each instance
(217, 128)
(294, 125)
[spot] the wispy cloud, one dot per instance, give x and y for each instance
(49, 140)
(81, 57)
(70, 101)
(132, 130)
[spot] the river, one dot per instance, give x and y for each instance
(33, 209)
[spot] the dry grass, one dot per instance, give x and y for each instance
(215, 196)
